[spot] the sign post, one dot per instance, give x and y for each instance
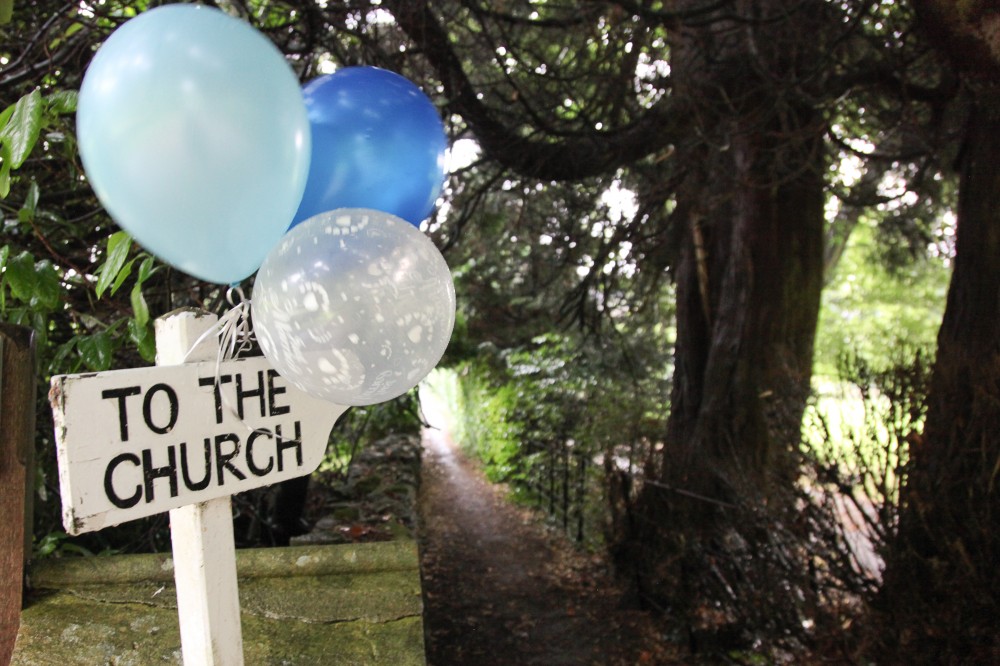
(183, 437)
(201, 535)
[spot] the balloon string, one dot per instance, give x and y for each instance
(233, 330)
(236, 337)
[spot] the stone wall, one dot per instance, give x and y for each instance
(348, 592)
(300, 606)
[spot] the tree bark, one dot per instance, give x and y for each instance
(751, 210)
(948, 537)
(748, 287)
(17, 428)
(941, 586)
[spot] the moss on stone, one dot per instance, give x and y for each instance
(345, 604)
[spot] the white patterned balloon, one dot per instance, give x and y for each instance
(355, 306)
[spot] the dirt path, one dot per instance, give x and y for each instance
(501, 589)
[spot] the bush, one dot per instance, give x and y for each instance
(552, 419)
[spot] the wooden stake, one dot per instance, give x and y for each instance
(17, 468)
(208, 604)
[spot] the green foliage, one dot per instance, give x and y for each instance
(856, 451)
(34, 283)
(549, 418)
(58, 544)
(870, 310)
(362, 425)
(19, 128)
(61, 279)
(21, 124)
(862, 425)
(29, 287)
(29, 291)
(115, 270)
(484, 417)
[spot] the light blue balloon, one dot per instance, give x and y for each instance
(377, 142)
(194, 136)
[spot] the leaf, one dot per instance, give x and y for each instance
(63, 101)
(139, 306)
(144, 339)
(40, 322)
(122, 276)
(96, 350)
(4, 253)
(48, 287)
(113, 271)
(6, 11)
(21, 277)
(145, 269)
(35, 284)
(4, 170)
(27, 212)
(5, 115)
(48, 544)
(61, 356)
(23, 126)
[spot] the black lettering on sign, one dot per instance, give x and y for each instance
(206, 477)
(272, 390)
(251, 463)
(147, 408)
(150, 473)
(121, 394)
(222, 460)
(285, 444)
(109, 486)
(242, 394)
(217, 382)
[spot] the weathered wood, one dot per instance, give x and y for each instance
(138, 442)
(124, 439)
(17, 427)
(208, 602)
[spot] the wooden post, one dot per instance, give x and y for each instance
(208, 604)
(17, 458)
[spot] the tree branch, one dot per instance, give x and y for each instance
(539, 155)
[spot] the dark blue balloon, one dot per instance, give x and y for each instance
(377, 142)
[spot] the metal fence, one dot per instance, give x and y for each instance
(557, 479)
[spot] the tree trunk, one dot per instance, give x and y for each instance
(941, 586)
(748, 286)
(751, 209)
(749, 292)
(941, 592)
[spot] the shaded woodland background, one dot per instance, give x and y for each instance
(681, 234)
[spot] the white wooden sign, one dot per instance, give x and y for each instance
(184, 436)
(138, 442)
